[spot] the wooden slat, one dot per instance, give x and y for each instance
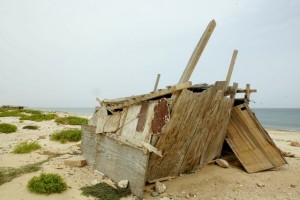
(122, 162)
(112, 104)
(197, 119)
(88, 143)
(250, 142)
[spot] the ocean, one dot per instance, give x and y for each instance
(276, 118)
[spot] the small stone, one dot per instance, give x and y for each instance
(165, 198)
(260, 184)
(49, 153)
(94, 182)
(154, 194)
(76, 161)
(42, 137)
(222, 163)
(295, 144)
(123, 184)
(160, 187)
(293, 186)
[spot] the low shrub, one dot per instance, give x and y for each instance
(31, 127)
(9, 173)
(47, 184)
(26, 147)
(104, 191)
(71, 120)
(38, 117)
(7, 128)
(69, 135)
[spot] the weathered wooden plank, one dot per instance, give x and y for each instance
(191, 126)
(112, 104)
(231, 66)
(88, 143)
(108, 123)
(197, 52)
(122, 162)
(250, 142)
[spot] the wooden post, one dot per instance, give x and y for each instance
(247, 93)
(197, 52)
(156, 82)
(232, 62)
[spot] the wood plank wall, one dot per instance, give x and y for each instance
(194, 134)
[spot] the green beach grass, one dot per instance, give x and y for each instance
(26, 147)
(68, 135)
(7, 128)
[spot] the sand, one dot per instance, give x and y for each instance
(209, 182)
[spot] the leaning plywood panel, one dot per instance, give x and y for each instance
(122, 162)
(89, 143)
(250, 142)
(191, 127)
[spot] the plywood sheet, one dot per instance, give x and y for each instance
(250, 142)
(122, 162)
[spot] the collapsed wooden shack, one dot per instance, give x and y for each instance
(175, 130)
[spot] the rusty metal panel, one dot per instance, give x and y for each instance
(250, 142)
(161, 116)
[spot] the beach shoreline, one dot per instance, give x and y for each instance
(208, 182)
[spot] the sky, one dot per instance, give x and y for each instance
(67, 53)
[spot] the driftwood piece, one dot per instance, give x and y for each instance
(122, 162)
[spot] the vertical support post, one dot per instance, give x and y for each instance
(156, 82)
(231, 66)
(247, 93)
(197, 52)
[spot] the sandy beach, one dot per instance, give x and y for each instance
(209, 182)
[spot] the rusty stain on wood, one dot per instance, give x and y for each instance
(142, 117)
(161, 116)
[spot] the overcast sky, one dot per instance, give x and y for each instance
(66, 53)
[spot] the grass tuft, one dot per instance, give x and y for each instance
(71, 120)
(69, 135)
(38, 117)
(47, 184)
(31, 127)
(7, 128)
(104, 191)
(9, 173)
(26, 114)
(25, 147)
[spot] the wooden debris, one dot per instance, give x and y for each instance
(156, 82)
(232, 62)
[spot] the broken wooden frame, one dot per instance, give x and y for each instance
(175, 130)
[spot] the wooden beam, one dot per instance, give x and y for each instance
(247, 93)
(156, 82)
(113, 104)
(197, 52)
(231, 66)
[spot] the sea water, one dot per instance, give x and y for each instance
(276, 118)
(279, 118)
